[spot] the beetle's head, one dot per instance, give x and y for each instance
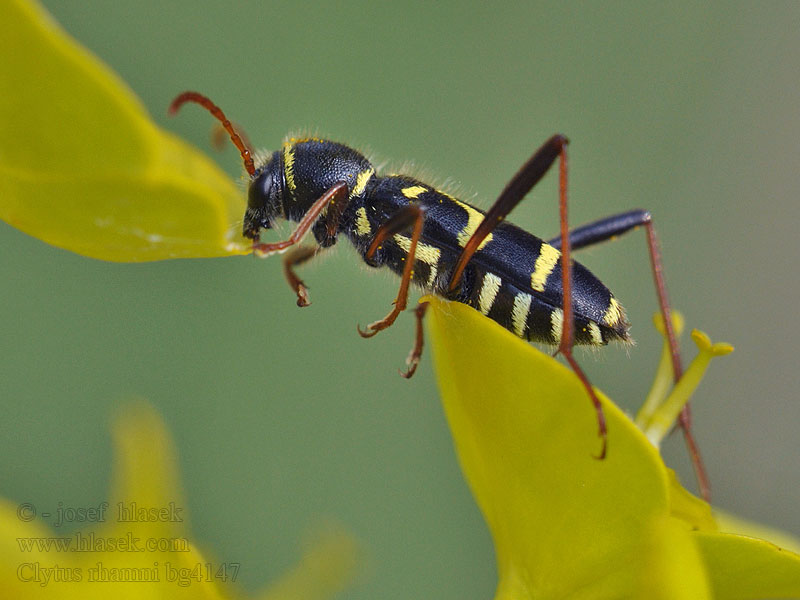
(263, 199)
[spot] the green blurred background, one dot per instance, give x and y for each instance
(285, 417)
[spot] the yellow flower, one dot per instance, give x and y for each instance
(566, 525)
(135, 544)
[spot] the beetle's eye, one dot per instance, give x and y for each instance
(259, 192)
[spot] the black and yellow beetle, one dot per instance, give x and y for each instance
(443, 245)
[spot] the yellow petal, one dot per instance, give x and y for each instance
(728, 523)
(742, 567)
(82, 166)
(147, 511)
(676, 570)
(564, 524)
(145, 476)
(18, 523)
(694, 512)
(328, 565)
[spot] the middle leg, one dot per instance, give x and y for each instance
(409, 216)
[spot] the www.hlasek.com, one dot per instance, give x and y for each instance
(90, 542)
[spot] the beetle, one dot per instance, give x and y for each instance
(446, 246)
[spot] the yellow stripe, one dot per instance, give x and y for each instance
(489, 289)
(432, 276)
(520, 312)
(557, 324)
(413, 191)
(425, 252)
(474, 219)
(613, 313)
(288, 167)
(305, 140)
(361, 182)
(545, 263)
(594, 331)
(362, 223)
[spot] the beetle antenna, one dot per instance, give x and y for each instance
(216, 111)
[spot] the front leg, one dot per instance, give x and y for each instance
(339, 193)
(295, 258)
(336, 200)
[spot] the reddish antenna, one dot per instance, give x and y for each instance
(218, 135)
(216, 111)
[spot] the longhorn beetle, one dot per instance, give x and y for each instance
(447, 247)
